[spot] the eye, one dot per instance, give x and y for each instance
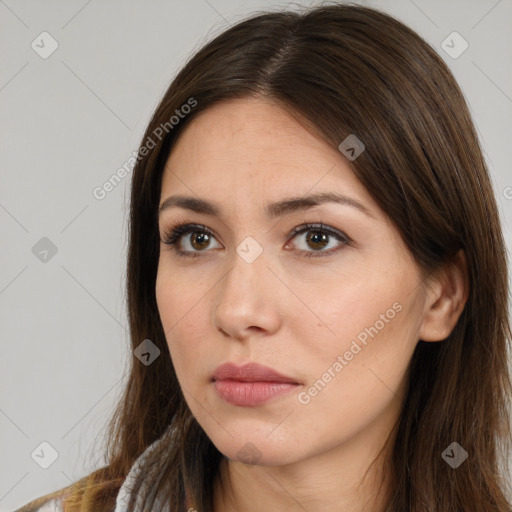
(200, 240)
(319, 237)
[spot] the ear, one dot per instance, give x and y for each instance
(447, 294)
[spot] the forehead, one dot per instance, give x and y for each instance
(250, 144)
(247, 130)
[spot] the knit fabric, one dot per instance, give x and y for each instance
(123, 497)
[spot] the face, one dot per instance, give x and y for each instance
(324, 294)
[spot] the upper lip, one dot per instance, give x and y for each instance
(250, 372)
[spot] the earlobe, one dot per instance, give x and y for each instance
(447, 295)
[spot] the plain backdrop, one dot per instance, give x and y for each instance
(68, 121)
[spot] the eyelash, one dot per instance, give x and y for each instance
(173, 234)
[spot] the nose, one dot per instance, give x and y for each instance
(247, 303)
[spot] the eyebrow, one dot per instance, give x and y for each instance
(272, 210)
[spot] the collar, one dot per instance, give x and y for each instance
(137, 472)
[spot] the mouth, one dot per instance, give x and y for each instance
(251, 384)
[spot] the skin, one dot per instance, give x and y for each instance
(291, 313)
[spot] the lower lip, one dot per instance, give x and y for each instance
(249, 394)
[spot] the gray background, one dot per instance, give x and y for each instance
(68, 122)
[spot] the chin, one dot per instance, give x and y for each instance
(254, 452)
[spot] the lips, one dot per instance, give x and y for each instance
(251, 372)
(250, 385)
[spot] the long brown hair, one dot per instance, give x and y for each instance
(341, 69)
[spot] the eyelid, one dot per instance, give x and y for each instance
(320, 227)
(173, 233)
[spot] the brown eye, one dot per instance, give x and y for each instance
(318, 238)
(199, 241)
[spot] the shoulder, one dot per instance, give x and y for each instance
(47, 503)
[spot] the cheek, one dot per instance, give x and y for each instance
(178, 295)
(183, 309)
(174, 306)
(368, 332)
(360, 376)
(358, 309)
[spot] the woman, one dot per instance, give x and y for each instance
(317, 284)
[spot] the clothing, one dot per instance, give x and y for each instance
(124, 494)
(136, 472)
(50, 506)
